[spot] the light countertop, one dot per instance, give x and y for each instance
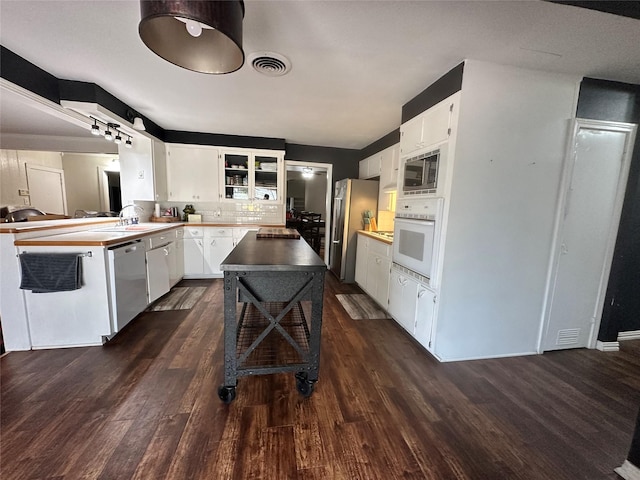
(105, 236)
(377, 236)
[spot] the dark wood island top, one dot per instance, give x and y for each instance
(272, 254)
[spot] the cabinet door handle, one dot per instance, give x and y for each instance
(421, 293)
(378, 260)
(213, 242)
(166, 252)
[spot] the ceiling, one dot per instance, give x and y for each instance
(354, 63)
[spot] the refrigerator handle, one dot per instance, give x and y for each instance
(336, 219)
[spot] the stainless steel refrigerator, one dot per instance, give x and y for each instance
(351, 198)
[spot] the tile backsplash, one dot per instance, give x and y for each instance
(227, 212)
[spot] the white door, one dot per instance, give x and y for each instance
(46, 189)
(594, 181)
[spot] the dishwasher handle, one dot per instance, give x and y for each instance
(126, 247)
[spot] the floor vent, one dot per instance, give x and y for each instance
(568, 336)
(270, 64)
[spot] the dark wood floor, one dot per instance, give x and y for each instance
(145, 406)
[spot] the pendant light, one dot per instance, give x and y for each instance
(202, 35)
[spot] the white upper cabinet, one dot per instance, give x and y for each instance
(252, 175)
(143, 174)
(192, 172)
(390, 161)
(371, 166)
(429, 128)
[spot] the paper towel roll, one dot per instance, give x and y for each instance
(156, 211)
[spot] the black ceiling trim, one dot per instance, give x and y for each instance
(19, 71)
(222, 140)
(388, 140)
(626, 8)
(444, 87)
(344, 160)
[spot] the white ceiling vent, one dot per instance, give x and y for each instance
(270, 64)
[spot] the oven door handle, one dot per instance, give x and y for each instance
(414, 221)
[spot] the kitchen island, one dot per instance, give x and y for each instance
(273, 293)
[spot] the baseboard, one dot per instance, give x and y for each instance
(631, 335)
(608, 346)
(628, 471)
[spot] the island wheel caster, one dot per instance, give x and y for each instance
(227, 394)
(304, 385)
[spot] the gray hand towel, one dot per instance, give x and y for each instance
(50, 272)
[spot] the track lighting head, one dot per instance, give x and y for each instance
(128, 143)
(95, 129)
(118, 138)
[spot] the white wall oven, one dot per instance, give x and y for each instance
(415, 237)
(421, 173)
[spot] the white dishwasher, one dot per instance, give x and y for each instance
(160, 255)
(128, 282)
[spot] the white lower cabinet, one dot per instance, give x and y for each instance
(425, 310)
(193, 246)
(412, 305)
(205, 248)
(362, 249)
(403, 292)
(158, 261)
(378, 271)
(177, 267)
(161, 260)
(218, 243)
(373, 265)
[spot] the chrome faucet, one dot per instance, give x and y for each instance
(135, 219)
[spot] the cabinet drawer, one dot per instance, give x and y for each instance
(161, 239)
(218, 232)
(191, 232)
(380, 248)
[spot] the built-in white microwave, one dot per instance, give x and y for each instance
(421, 173)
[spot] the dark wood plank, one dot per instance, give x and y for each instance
(145, 406)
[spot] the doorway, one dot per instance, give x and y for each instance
(109, 189)
(592, 191)
(309, 187)
(46, 189)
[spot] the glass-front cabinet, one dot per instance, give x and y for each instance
(255, 175)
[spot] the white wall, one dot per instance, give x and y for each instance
(510, 146)
(81, 179)
(13, 172)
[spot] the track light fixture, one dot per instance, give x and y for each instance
(110, 129)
